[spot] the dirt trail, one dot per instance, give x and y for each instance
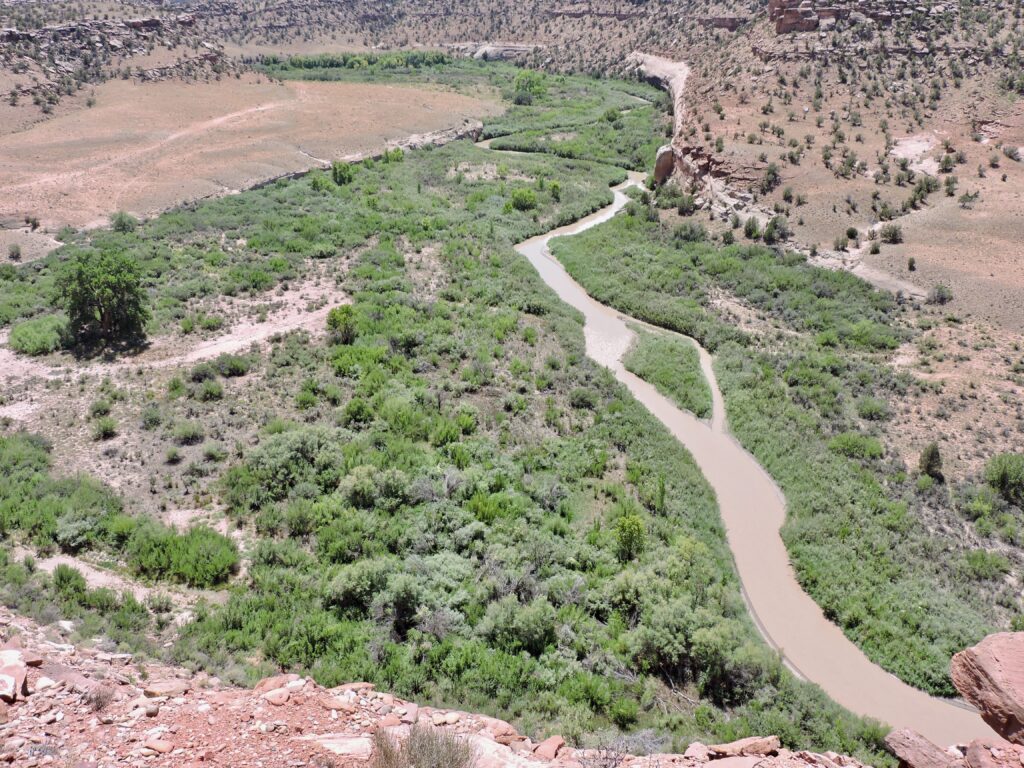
(753, 509)
(147, 148)
(302, 307)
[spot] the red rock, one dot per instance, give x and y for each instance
(13, 679)
(698, 751)
(389, 721)
(169, 688)
(992, 753)
(412, 714)
(158, 745)
(272, 683)
(752, 745)
(32, 659)
(990, 675)
(356, 687)
(745, 761)
(334, 703)
(277, 697)
(915, 751)
(548, 749)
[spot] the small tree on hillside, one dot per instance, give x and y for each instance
(931, 462)
(341, 173)
(103, 296)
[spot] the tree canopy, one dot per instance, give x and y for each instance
(103, 296)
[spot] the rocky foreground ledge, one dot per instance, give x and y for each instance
(78, 707)
(990, 676)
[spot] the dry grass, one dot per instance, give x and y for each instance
(425, 747)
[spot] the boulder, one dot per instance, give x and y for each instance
(158, 745)
(990, 675)
(548, 749)
(915, 751)
(664, 164)
(990, 753)
(752, 745)
(277, 697)
(13, 682)
(337, 704)
(272, 683)
(168, 688)
(698, 751)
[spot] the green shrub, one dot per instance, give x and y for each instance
(99, 408)
(342, 173)
(984, 565)
(930, 462)
(856, 446)
(203, 372)
(341, 324)
(939, 294)
(1005, 473)
(523, 199)
(209, 391)
(200, 558)
(188, 433)
(123, 222)
(232, 366)
(872, 409)
(38, 336)
(891, 233)
(630, 537)
(104, 428)
(151, 417)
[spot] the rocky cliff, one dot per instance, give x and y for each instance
(990, 677)
(809, 15)
(63, 705)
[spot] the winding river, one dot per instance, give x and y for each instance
(753, 509)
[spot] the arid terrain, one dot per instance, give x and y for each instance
(643, 376)
(144, 148)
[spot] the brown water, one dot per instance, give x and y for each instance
(753, 509)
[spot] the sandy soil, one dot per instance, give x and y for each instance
(33, 245)
(915, 149)
(146, 148)
(971, 401)
(975, 252)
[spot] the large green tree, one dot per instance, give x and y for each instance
(103, 296)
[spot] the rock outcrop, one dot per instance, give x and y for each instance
(809, 15)
(67, 705)
(990, 675)
(80, 706)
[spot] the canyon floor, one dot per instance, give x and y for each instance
(144, 148)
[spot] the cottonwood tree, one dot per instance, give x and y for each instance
(103, 296)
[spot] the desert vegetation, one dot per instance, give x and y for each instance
(806, 404)
(438, 492)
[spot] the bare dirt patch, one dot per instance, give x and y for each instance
(146, 148)
(974, 252)
(19, 246)
(969, 397)
(915, 149)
